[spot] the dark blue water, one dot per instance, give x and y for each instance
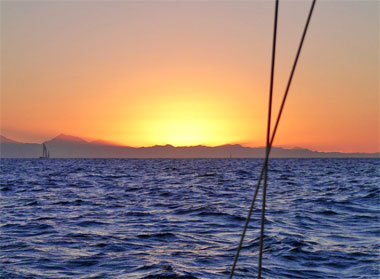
(99, 218)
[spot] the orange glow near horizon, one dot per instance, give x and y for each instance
(186, 120)
(189, 73)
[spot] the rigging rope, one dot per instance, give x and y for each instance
(265, 165)
(269, 146)
(268, 141)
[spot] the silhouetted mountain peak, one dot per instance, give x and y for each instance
(161, 146)
(67, 146)
(67, 138)
(7, 140)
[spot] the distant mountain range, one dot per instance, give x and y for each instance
(66, 146)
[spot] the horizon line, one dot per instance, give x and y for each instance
(111, 143)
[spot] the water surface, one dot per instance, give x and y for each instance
(182, 218)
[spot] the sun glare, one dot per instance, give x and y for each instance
(186, 131)
(185, 120)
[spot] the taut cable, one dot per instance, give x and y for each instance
(269, 147)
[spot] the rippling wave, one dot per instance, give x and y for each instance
(110, 218)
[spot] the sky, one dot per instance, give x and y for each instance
(142, 73)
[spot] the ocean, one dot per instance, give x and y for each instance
(182, 218)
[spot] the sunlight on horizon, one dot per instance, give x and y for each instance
(187, 119)
(190, 72)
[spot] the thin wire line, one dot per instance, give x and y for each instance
(271, 143)
(268, 141)
(247, 222)
(292, 72)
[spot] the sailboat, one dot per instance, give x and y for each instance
(45, 152)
